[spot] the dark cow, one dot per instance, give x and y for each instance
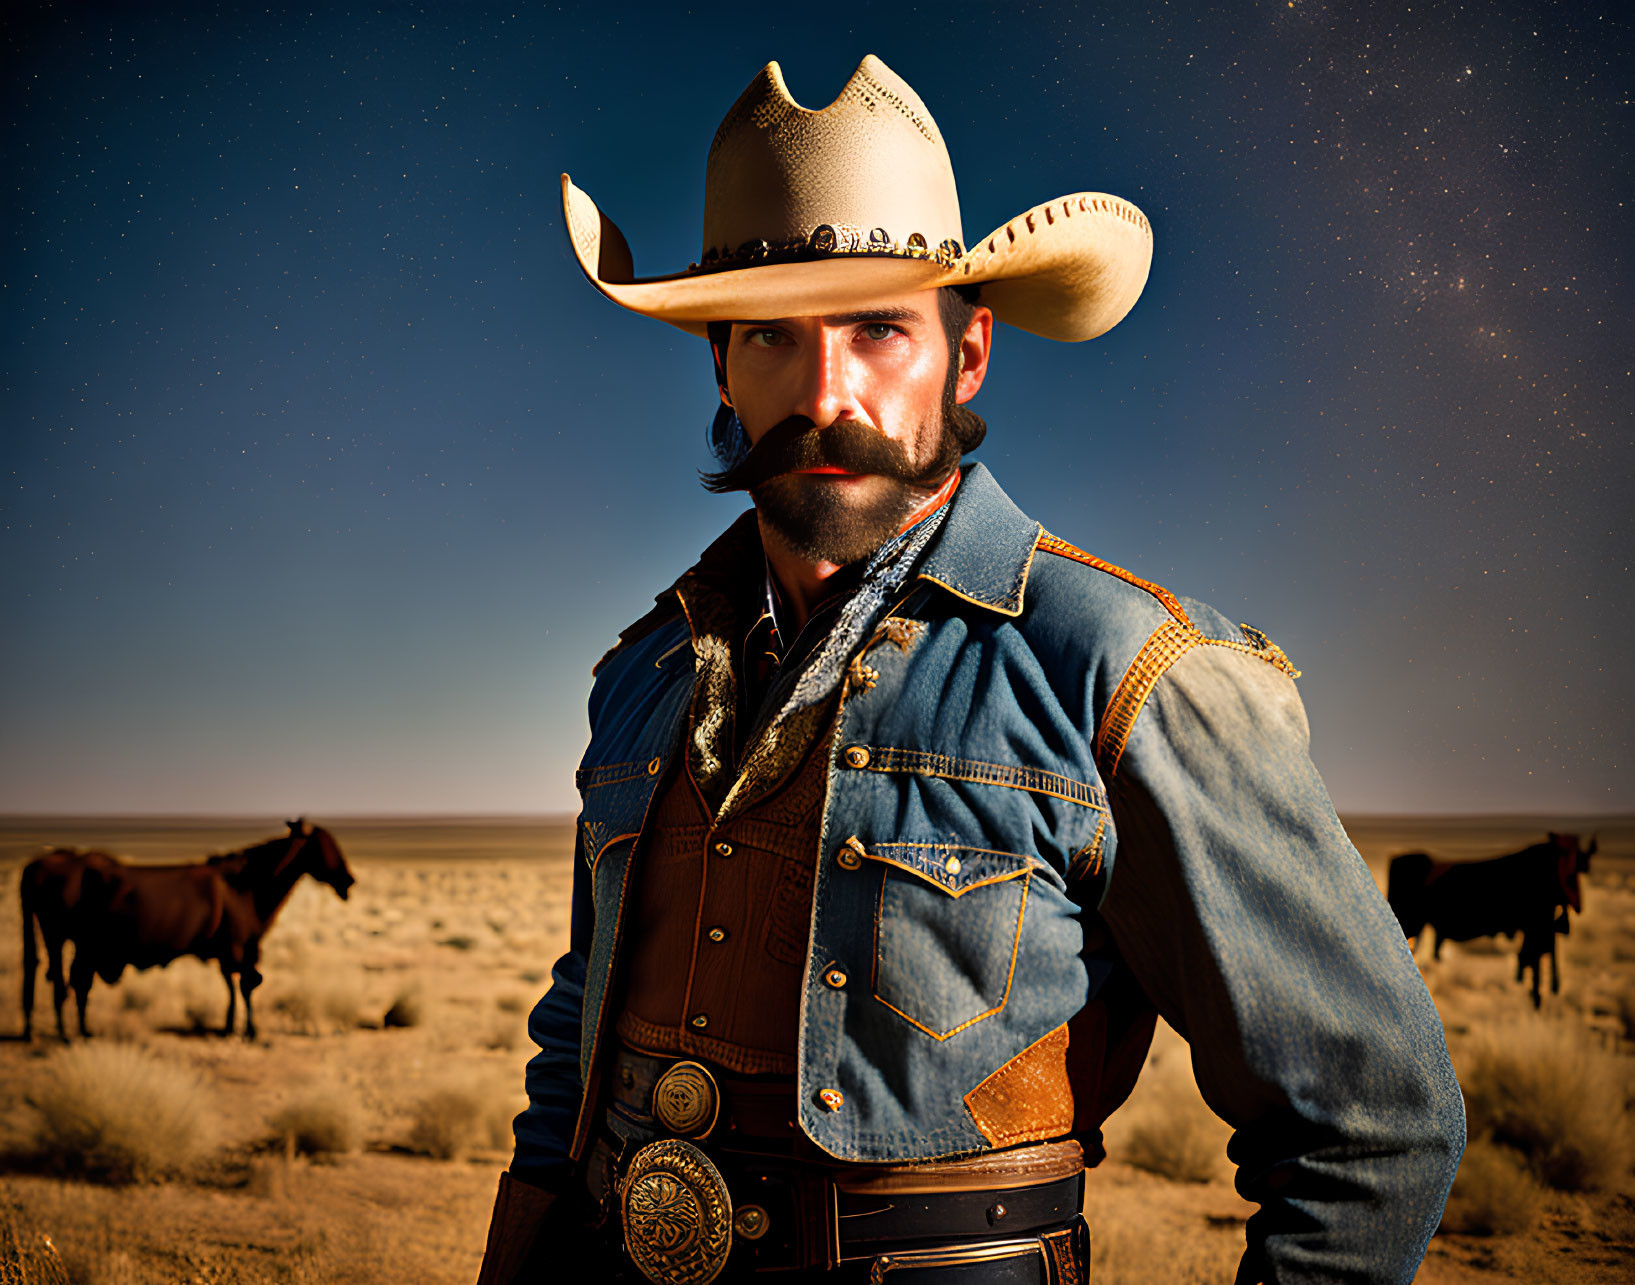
(1527, 892)
(119, 915)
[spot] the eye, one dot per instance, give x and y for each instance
(763, 338)
(880, 330)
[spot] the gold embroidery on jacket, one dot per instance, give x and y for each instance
(1164, 646)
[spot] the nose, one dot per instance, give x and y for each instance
(828, 380)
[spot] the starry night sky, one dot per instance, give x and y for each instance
(327, 475)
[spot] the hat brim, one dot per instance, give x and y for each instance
(1070, 269)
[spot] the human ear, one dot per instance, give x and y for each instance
(974, 347)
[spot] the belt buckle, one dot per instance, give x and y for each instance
(677, 1214)
(686, 1100)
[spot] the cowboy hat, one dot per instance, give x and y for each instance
(810, 212)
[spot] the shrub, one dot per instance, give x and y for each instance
(405, 1009)
(1170, 1132)
(322, 1121)
(504, 1034)
(202, 1014)
(1545, 1089)
(1626, 1011)
(115, 1112)
(316, 1004)
(1493, 1194)
(452, 1120)
(511, 1002)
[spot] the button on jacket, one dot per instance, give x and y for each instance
(1047, 775)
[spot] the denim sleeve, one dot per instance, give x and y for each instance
(544, 1130)
(1260, 935)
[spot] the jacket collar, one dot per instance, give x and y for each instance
(985, 548)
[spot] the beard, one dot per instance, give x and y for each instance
(824, 518)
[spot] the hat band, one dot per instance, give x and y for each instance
(828, 241)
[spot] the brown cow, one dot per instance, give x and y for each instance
(120, 915)
(1527, 892)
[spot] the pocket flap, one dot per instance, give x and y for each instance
(616, 798)
(950, 866)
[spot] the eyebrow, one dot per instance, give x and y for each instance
(865, 316)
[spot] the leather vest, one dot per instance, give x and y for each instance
(719, 923)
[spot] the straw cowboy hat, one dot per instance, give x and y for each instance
(810, 212)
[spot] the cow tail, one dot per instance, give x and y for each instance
(31, 953)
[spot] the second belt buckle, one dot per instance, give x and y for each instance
(686, 1100)
(677, 1214)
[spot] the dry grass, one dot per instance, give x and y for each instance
(456, 1119)
(201, 1014)
(117, 1113)
(504, 1033)
(323, 1120)
(407, 1009)
(319, 1003)
(1626, 1011)
(1493, 1194)
(1544, 1087)
(1166, 1128)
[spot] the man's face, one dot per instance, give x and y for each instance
(854, 406)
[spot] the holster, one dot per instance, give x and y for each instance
(513, 1233)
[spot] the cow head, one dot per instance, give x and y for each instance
(1569, 861)
(328, 865)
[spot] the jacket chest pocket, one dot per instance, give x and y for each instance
(948, 920)
(615, 797)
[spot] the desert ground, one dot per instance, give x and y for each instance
(360, 1137)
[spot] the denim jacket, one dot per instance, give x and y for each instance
(1047, 773)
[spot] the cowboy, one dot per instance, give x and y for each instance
(904, 818)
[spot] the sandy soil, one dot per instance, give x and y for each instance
(457, 922)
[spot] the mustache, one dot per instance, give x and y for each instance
(797, 443)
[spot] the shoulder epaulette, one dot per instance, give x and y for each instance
(1164, 646)
(1055, 544)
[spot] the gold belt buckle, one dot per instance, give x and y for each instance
(677, 1214)
(686, 1100)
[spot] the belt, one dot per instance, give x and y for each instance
(685, 1099)
(687, 1203)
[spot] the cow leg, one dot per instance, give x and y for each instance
(232, 998)
(80, 977)
(248, 979)
(1530, 956)
(31, 964)
(1555, 968)
(59, 987)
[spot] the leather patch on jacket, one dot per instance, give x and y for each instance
(1028, 1098)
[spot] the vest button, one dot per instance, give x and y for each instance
(848, 859)
(701, 1020)
(951, 865)
(857, 756)
(834, 1099)
(718, 934)
(835, 978)
(723, 849)
(653, 768)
